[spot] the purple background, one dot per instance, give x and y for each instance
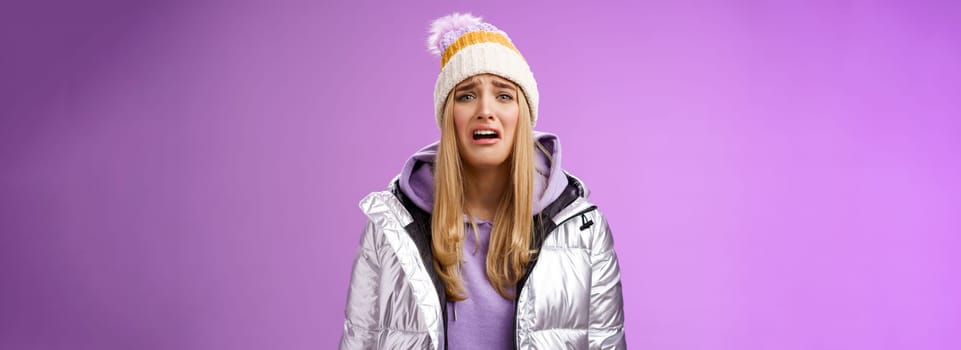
(185, 175)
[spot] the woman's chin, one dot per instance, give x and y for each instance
(486, 162)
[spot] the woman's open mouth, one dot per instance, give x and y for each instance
(485, 136)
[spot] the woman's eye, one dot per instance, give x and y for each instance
(465, 97)
(505, 97)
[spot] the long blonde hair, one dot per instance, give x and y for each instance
(509, 249)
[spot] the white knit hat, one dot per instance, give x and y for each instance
(468, 47)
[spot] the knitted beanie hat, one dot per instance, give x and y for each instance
(467, 47)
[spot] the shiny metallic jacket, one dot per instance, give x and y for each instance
(569, 299)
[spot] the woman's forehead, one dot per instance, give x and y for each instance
(485, 78)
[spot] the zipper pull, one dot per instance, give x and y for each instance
(454, 307)
(585, 223)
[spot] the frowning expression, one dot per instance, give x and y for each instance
(485, 118)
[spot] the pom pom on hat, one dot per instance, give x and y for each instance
(448, 24)
(468, 46)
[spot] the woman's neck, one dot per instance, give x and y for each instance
(483, 189)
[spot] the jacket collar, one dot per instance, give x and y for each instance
(568, 204)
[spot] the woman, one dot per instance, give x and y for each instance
(483, 241)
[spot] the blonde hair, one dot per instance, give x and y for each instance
(509, 249)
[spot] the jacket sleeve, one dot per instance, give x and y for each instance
(361, 327)
(607, 304)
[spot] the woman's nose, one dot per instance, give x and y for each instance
(486, 108)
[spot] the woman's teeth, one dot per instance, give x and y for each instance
(484, 134)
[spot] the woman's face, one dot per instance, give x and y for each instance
(485, 119)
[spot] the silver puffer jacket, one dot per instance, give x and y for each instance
(569, 299)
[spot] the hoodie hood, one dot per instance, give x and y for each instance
(417, 178)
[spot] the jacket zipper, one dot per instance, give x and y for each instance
(523, 280)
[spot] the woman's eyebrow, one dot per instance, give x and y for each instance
(503, 85)
(467, 87)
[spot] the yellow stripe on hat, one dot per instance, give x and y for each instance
(475, 37)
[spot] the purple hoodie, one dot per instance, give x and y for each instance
(485, 319)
